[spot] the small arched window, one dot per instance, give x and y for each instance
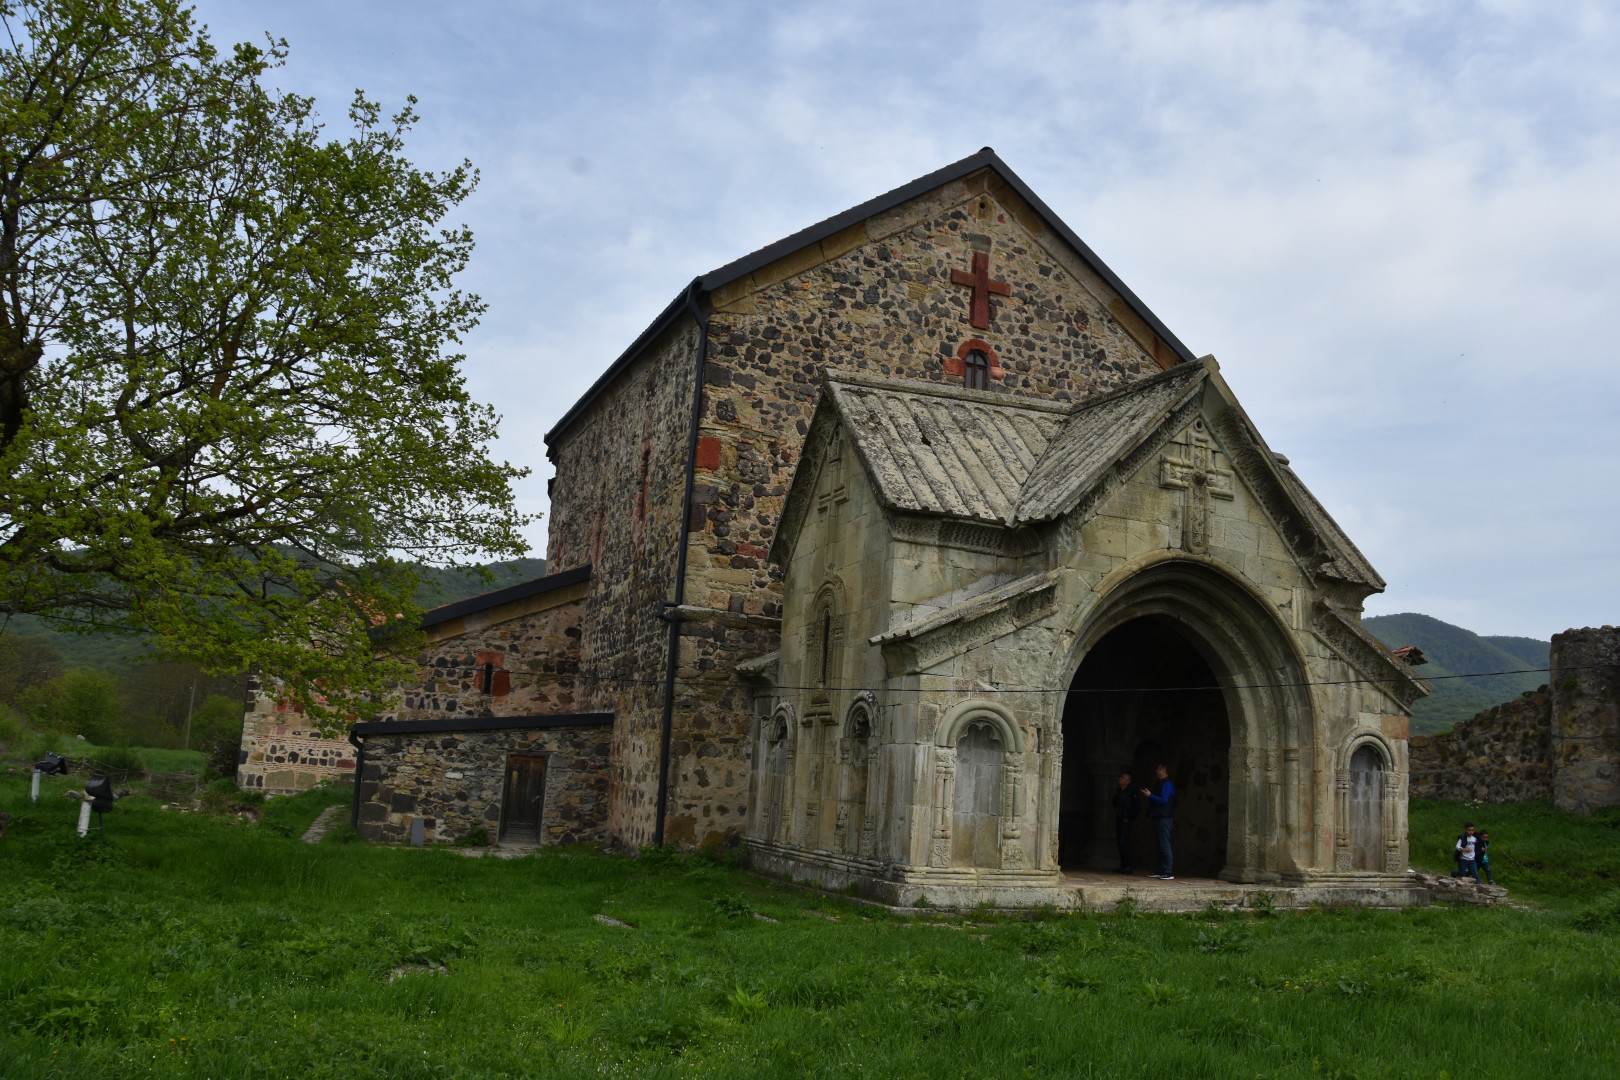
(976, 371)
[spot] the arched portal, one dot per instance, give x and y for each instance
(1185, 622)
(1144, 696)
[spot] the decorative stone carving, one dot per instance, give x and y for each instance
(944, 797)
(1196, 472)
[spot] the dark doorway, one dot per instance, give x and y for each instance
(1143, 695)
(525, 798)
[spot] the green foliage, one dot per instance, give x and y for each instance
(25, 662)
(747, 1005)
(78, 703)
(475, 837)
(734, 905)
(228, 370)
(119, 759)
(11, 728)
(1602, 915)
(1452, 650)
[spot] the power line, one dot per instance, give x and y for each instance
(626, 680)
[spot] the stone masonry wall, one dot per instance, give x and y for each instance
(534, 658)
(878, 297)
(280, 754)
(1561, 742)
(1586, 718)
(1504, 754)
(456, 782)
(616, 504)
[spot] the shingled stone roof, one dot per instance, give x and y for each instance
(1008, 461)
(992, 458)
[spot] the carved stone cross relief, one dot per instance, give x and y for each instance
(1199, 474)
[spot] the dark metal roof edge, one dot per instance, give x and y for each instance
(985, 158)
(522, 590)
(482, 723)
(666, 318)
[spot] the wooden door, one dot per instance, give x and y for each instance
(1367, 810)
(976, 821)
(525, 798)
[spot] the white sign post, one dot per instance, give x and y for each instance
(33, 788)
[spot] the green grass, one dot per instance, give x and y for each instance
(192, 946)
(156, 759)
(1539, 853)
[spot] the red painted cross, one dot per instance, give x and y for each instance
(980, 282)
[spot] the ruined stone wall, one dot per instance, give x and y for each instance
(455, 782)
(1561, 742)
(280, 753)
(1586, 718)
(616, 504)
(1504, 754)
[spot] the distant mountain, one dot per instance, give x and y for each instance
(447, 586)
(1451, 650)
(120, 656)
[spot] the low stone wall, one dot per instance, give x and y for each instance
(1561, 742)
(1586, 718)
(1504, 754)
(456, 781)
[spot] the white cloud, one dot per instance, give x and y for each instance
(1393, 222)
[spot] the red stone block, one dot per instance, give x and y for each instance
(708, 452)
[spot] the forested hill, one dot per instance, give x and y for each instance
(1451, 650)
(118, 656)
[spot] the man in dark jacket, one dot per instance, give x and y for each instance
(1161, 811)
(1125, 808)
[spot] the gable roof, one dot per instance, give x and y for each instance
(938, 450)
(495, 598)
(965, 454)
(693, 296)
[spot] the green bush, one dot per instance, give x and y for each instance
(80, 702)
(1603, 915)
(477, 836)
(119, 759)
(11, 729)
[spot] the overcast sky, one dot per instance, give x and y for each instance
(1396, 225)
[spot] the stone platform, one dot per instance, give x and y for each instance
(1096, 891)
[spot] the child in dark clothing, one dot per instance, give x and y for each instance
(1485, 857)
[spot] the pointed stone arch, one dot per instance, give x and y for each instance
(1260, 669)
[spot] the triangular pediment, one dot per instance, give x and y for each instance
(1014, 463)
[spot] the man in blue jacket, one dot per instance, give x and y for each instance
(1161, 811)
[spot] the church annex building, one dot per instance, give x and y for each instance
(883, 551)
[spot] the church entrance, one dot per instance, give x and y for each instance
(1144, 696)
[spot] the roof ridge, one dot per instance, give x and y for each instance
(947, 390)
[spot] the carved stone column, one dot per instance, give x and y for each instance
(1012, 848)
(1341, 823)
(1390, 815)
(939, 849)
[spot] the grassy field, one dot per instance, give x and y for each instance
(204, 946)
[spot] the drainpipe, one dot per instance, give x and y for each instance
(680, 565)
(359, 771)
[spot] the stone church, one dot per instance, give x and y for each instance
(883, 551)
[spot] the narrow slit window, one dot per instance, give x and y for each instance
(489, 679)
(976, 371)
(826, 645)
